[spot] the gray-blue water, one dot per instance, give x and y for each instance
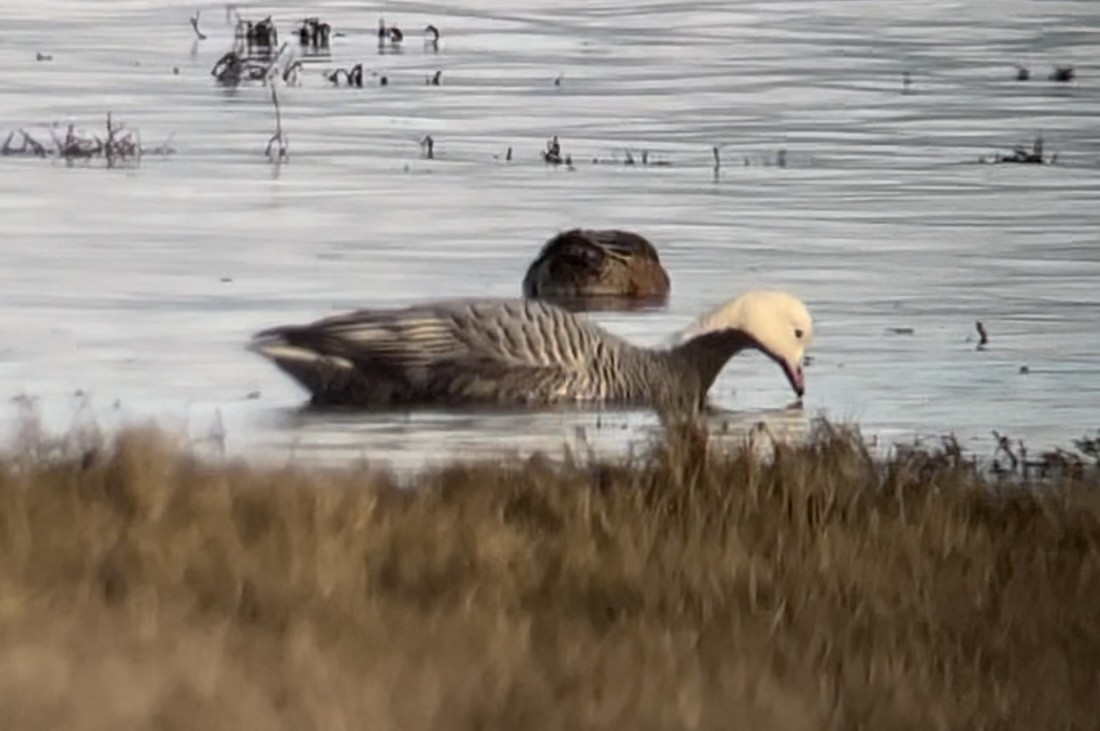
(137, 287)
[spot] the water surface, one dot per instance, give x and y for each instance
(138, 287)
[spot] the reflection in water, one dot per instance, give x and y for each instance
(408, 439)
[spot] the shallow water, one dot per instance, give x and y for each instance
(139, 286)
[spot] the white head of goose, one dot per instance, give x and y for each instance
(779, 324)
(597, 265)
(526, 353)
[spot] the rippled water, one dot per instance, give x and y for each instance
(139, 286)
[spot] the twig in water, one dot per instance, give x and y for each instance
(227, 69)
(262, 33)
(278, 138)
(983, 338)
(1022, 155)
(195, 25)
(315, 33)
(108, 149)
(36, 147)
(1062, 74)
(292, 72)
(552, 154)
(431, 44)
(354, 76)
(233, 67)
(121, 144)
(270, 71)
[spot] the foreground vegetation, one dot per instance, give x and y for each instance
(142, 587)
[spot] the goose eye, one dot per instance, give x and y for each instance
(798, 333)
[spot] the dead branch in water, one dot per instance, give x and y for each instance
(236, 66)
(353, 76)
(280, 153)
(292, 73)
(1022, 156)
(27, 145)
(195, 25)
(121, 144)
(261, 34)
(314, 33)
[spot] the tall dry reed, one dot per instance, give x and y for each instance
(143, 587)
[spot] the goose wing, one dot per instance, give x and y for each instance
(487, 335)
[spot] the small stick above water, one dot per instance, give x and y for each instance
(195, 25)
(432, 42)
(1062, 74)
(278, 138)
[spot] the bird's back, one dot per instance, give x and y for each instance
(590, 262)
(459, 351)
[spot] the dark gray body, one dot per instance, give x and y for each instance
(517, 353)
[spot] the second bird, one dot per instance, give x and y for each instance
(590, 263)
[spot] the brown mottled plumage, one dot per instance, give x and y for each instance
(588, 263)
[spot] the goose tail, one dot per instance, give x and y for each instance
(330, 379)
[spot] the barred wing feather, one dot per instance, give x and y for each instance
(506, 334)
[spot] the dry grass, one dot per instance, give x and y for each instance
(142, 587)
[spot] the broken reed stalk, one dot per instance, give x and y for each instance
(236, 66)
(195, 25)
(279, 137)
(268, 75)
(292, 73)
(121, 144)
(37, 148)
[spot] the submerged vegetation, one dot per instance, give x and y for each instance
(118, 145)
(822, 587)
